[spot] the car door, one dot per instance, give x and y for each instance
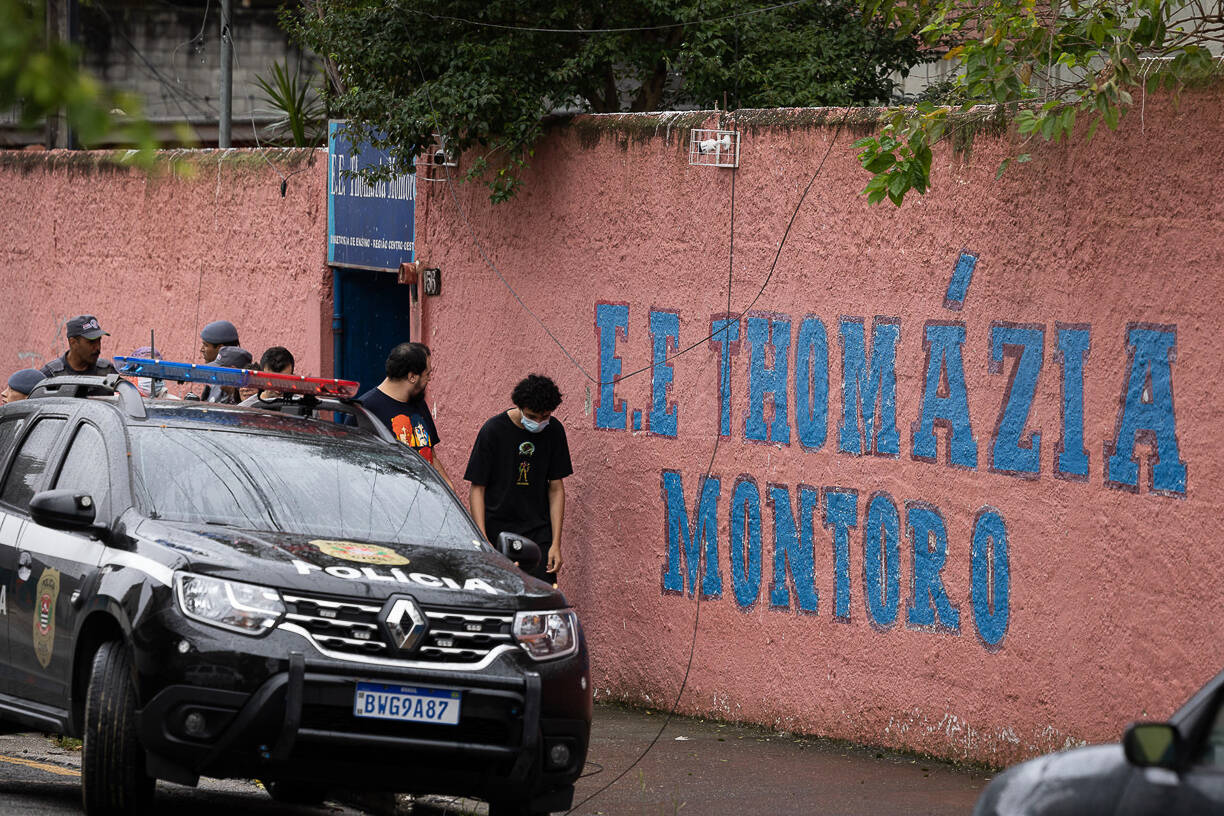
(10, 529)
(27, 474)
(1198, 788)
(43, 618)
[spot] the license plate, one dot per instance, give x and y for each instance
(406, 703)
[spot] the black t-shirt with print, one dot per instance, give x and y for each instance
(410, 421)
(515, 467)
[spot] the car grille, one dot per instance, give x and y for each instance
(455, 636)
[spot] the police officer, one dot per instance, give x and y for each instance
(20, 384)
(229, 357)
(84, 348)
(214, 337)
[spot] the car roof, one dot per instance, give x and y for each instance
(136, 410)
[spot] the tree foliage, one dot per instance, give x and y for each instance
(478, 73)
(1049, 65)
(41, 78)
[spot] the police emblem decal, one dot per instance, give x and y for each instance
(46, 596)
(361, 553)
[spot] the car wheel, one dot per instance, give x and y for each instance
(296, 793)
(113, 778)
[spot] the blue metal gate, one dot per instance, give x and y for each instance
(371, 317)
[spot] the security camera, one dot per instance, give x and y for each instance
(439, 157)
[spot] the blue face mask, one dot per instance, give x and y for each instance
(531, 426)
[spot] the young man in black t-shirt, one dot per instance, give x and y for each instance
(399, 401)
(517, 468)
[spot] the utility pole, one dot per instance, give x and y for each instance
(61, 27)
(227, 77)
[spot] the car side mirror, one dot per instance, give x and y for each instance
(519, 549)
(1152, 745)
(63, 510)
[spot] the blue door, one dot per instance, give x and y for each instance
(372, 310)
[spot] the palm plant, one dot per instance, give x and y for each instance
(302, 115)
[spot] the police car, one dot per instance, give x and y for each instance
(199, 589)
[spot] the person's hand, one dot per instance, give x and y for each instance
(554, 559)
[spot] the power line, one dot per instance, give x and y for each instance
(700, 580)
(664, 27)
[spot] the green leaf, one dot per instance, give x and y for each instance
(880, 163)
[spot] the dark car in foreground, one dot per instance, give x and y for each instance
(198, 589)
(1173, 768)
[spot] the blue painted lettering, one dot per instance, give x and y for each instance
(1012, 453)
(875, 385)
(793, 553)
(929, 605)
(840, 514)
(725, 334)
(665, 334)
(947, 405)
(991, 579)
(812, 383)
(1147, 415)
(745, 530)
(704, 528)
(763, 332)
(611, 319)
(1074, 344)
(881, 560)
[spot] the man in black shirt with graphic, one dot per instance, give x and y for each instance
(399, 401)
(517, 468)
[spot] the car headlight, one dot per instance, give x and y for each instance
(232, 605)
(547, 635)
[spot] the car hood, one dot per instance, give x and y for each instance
(472, 574)
(1082, 780)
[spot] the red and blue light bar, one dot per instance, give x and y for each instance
(236, 377)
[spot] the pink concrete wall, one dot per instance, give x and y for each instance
(212, 238)
(1115, 602)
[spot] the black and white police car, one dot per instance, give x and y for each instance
(200, 589)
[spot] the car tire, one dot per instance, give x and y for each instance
(296, 793)
(113, 777)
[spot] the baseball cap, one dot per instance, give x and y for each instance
(85, 326)
(233, 357)
(219, 332)
(24, 380)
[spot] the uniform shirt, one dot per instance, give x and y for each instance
(515, 467)
(59, 368)
(410, 421)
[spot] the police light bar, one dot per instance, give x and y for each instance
(236, 377)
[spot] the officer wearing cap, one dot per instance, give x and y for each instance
(84, 348)
(20, 384)
(214, 337)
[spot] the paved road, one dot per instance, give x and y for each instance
(715, 769)
(695, 767)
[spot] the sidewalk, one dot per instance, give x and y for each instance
(706, 768)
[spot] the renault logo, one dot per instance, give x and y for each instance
(405, 624)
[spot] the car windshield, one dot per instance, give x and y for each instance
(328, 488)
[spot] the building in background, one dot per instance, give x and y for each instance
(169, 53)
